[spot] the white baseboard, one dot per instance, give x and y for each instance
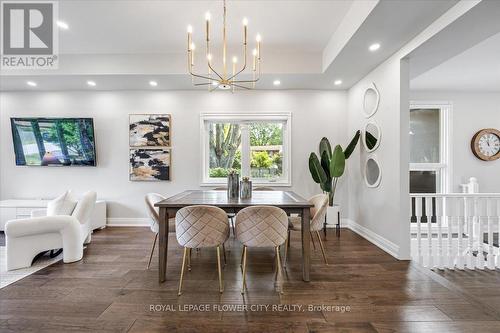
(127, 222)
(373, 238)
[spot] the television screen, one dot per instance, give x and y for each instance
(54, 141)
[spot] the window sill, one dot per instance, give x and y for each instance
(269, 184)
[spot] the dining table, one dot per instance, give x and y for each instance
(289, 201)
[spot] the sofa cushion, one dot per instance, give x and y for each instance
(62, 205)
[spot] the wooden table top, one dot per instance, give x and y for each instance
(283, 199)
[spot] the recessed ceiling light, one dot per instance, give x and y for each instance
(276, 82)
(374, 47)
(91, 83)
(337, 82)
(153, 83)
(31, 83)
(63, 25)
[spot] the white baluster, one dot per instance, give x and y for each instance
(418, 216)
(439, 218)
(489, 215)
(460, 207)
(449, 206)
(470, 235)
(478, 233)
(497, 214)
(428, 214)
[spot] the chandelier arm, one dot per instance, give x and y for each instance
(244, 64)
(200, 76)
(215, 87)
(239, 86)
(202, 84)
(213, 70)
(246, 81)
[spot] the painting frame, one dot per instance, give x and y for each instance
(141, 169)
(154, 134)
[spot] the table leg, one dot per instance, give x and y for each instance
(163, 244)
(306, 244)
(337, 227)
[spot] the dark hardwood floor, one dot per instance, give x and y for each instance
(367, 291)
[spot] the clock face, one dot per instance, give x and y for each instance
(489, 144)
(486, 144)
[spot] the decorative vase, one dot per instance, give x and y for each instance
(245, 188)
(233, 184)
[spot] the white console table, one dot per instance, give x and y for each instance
(21, 209)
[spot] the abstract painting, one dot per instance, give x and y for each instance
(150, 164)
(149, 130)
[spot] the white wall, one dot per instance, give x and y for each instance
(314, 114)
(471, 111)
(380, 213)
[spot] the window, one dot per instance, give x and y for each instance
(429, 151)
(257, 146)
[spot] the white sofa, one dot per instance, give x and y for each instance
(25, 238)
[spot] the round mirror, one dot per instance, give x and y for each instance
(372, 172)
(371, 137)
(370, 101)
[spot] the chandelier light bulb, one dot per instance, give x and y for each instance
(207, 16)
(209, 57)
(254, 52)
(258, 38)
(190, 29)
(193, 47)
(245, 21)
(235, 60)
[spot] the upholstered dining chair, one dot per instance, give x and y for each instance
(318, 213)
(262, 226)
(198, 227)
(154, 214)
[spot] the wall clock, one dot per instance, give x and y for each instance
(485, 144)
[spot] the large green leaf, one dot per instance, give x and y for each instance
(324, 146)
(337, 162)
(326, 186)
(371, 141)
(325, 164)
(352, 145)
(317, 172)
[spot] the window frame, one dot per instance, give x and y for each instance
(244, 119)
(444, 167)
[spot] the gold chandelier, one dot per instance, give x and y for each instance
(222, 79)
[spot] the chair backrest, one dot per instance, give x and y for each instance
(85, 207)
(153, 212)
(261, 226)
(318, 212)
(263, 188)
(201, 226)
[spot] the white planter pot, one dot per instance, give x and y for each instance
(332, 214)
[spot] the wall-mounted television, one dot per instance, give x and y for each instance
(54, 141)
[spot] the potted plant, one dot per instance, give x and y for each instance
(329, 167)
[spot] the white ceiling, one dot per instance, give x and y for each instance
(476, 69)
(122, 44)
(146, 26)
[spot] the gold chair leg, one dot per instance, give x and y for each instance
(322, 248)
(280, 275)
(219, 269)
(224, 253)
(182, 270)
(287, 243)
(244, 269)
(189, 259)
(152, 250)
(312, 240)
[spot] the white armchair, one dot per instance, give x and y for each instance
(26, 238)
